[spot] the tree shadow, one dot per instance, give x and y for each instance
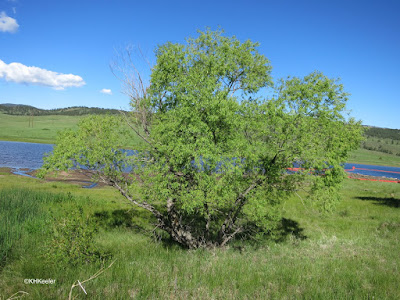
(391, 202)
(288, 227)
(284, 230)
(128, 218)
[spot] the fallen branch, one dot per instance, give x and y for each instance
(95, 275)
(18, 295)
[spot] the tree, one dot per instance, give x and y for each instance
(217, 156)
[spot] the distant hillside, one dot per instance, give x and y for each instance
(25, 110)
(384, 140)
(383, 133)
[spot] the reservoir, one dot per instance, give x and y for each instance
(19, 155)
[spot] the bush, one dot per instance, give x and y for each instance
(73, 241)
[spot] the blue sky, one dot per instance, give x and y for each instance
(58, 53)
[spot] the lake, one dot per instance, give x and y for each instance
(19, 155)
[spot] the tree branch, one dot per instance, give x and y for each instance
(234, 212)
(227, 239)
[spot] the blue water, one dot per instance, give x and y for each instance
(390, 172)
(20, 156)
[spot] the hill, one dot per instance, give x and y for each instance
(385, 133)
(384, 140)
(27, 110)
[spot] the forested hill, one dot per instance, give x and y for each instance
(383, 133)
(24, 110)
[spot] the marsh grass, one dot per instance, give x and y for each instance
(21, 213)
(352, 253)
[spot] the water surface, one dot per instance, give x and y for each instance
(19, 155)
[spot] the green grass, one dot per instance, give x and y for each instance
(385, 145)
(19, 209)
(44, 130)
(363, 156)
(350, 254)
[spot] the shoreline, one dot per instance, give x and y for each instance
(83, 177)
(76, 177)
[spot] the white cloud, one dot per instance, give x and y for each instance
(8, 24)
(106, 91)
(20, 73)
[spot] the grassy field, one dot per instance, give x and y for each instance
(350, 254)
(44, 130)
(364, 156)
(385, 145)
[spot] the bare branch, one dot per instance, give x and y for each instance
(227, 239)
(17, 295)
(134, 85)
(137, 131)
(95, 275)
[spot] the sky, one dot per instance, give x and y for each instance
(56, 54)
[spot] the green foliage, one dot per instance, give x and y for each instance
(73, 241)
(217, 154)
(95, 146)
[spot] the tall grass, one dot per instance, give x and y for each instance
(21, 211)
(352, 253)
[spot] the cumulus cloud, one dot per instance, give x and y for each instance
(8, 24)
(106, 91)
(20, 73)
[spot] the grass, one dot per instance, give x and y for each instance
(44, 130)
(350, 254)
(19, 209)
(363, 156)
(385, 145)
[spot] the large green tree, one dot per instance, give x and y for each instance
(217, 153)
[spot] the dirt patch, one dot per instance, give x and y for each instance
(80, 177)
(5, 170)
(368, 177)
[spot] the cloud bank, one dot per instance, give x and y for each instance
(8, 24)
(106, 91)
(20, 73)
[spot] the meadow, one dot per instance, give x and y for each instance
(63, 232)
(45, 129)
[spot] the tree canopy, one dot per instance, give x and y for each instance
(218, 153)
